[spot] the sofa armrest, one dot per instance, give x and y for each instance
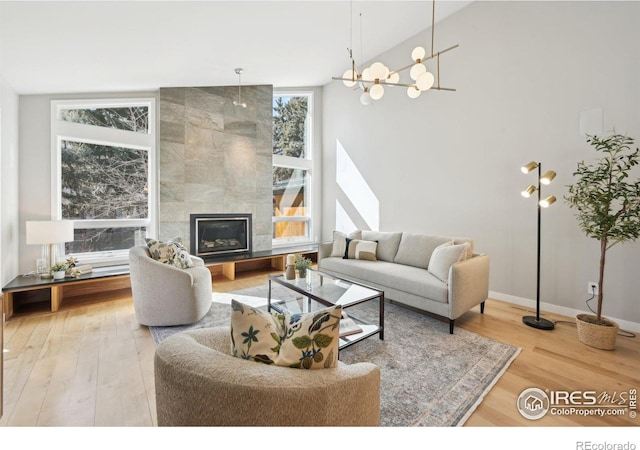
(197, 261)
(324, 250)
(468, 284)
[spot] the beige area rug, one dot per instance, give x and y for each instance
(428, 377)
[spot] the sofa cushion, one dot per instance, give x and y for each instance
(340, 242)
(300, 340)
(444, 257)
(383, 274)
(416, 249)
(387, 243)
(359, 249)
(171, 252)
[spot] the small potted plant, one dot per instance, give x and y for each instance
(302, 264)
(607, 204)
(59, 270)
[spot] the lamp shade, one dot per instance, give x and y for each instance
(548, 177)
(49, 231)
(529, 167)
(550, 200)
(528, 191)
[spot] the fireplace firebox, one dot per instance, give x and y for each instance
(220, 234)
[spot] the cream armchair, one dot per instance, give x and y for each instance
(199, 383)
(164, 295)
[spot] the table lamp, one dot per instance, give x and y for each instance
(49, 233)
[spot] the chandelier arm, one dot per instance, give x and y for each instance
(425, 59)
(398, 84)
(357, 80)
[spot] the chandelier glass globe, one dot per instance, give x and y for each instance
(418, 53)
(376, 91)
(416, 70)
(425, 81)
(352, 76)
(413, 92)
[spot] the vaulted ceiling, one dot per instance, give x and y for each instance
(91, 46)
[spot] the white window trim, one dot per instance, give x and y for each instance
(309, 164)
(63, 130)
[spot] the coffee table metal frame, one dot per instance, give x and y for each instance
(301, 286)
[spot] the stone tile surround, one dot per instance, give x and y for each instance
(215, 157)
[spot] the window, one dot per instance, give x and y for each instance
(292, 167)
(103, 181)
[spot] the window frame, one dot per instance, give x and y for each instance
(308, 164)
(63, 130)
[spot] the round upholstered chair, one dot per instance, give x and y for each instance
(199, 383)
(164, 295)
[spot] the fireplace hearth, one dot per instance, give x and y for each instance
(220, 234)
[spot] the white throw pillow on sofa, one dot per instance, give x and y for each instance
(340, 242)
(443, 257)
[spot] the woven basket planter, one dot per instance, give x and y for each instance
(594, 335)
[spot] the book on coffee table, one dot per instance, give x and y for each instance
(348, 326)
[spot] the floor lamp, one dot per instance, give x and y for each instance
(536, 321)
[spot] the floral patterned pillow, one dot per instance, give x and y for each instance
(255, 334)
(303, 341)
(311, 340)
(172, 252)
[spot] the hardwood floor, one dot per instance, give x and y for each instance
(91, 364)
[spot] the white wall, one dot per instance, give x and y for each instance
(9, 224)
(448, 162)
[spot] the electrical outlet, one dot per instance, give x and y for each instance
(592, 288)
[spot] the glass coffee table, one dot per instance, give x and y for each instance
(319, 290)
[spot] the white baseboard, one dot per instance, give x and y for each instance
(530, 304)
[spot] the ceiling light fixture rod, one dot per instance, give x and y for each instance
(433, 25)
(239, 102)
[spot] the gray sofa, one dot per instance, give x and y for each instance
(418, 270)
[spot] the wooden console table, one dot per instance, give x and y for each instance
(229, 265)
(53, 290)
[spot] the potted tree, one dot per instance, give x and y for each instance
(607, 205)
